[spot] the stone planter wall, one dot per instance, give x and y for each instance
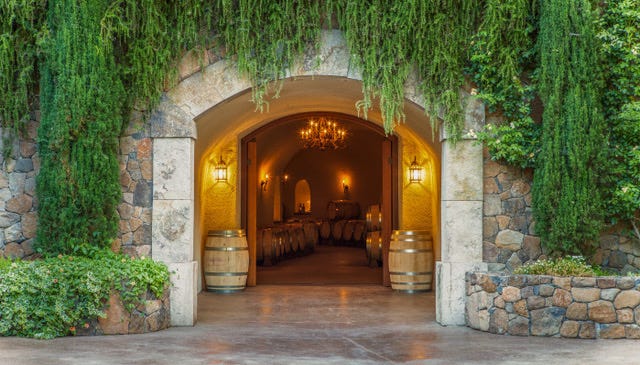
(538, 305)
(152, 315)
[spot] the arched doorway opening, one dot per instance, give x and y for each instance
(346, 182)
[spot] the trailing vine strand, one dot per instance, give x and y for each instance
(88, 82)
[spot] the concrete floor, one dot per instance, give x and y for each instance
(327, 265)
(313, 324)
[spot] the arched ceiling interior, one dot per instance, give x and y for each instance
(236, 117)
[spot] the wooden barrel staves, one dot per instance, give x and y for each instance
(325, 230)
(411, 261)
(226, 261)
(342, 209)
(267, 247)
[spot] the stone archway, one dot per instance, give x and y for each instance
(174, 133)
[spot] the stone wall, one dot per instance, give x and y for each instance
(18, 203)
(136, 180)
(151, 315)
(509, 238)
(537, 305)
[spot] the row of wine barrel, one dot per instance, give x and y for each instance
(287, 240)
(373, 246)
(343, 232)
(343, 210)
(374, 218)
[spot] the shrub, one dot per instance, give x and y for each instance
(566, 266)
(50, 297)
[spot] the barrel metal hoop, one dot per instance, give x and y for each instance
(226, 248)
(410, 283)
(227, 233)
(208, 273)
(411, 250)
(411, 273)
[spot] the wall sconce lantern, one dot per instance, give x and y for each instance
(415, 172)
(264, 182)
(220, 171)
(285, 179)
(345, 185)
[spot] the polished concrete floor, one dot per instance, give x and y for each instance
(327, 265)
(316, 324)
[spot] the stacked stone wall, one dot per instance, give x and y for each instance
(538, 305)
(18, 203)
(509, 237)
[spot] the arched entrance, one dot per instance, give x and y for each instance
(205, 117)
(363, 173)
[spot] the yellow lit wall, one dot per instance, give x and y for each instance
(219, 199)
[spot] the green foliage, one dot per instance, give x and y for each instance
(20, 30)
(501, 57)
(266, 36)
(620, 37)
(565, 266)
(81, 100)
(388, 38)
(48, 298)
(566, 196)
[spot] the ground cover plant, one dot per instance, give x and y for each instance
(56, 296)
(564, 266)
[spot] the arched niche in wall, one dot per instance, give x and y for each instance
(302, 197)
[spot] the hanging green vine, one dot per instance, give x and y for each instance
(620, 37)
(266, 37)
(81, 99)
(501, 63)
(566, 196)
(20, 30)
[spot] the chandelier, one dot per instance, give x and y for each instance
(323, 133)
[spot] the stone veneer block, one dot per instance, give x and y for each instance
(172, 231)
(586, 295)
(450, 291)
(461, 231)
(464, 182)
(170, 121)
(627, 299)
(183, 296)
(173, 170)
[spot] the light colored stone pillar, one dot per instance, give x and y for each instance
(173, 133)
(461, 217)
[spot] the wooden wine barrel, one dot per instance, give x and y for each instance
(374, 248)
(302, 244)
(286, 242)
(268, 251)
(411, 261)
(259, 245)
(337, 229)
(343, 209)
(325, 230)
(310, 230)
(347, 231)
(358, 230)
(276, 242)
(374, 218)
(226, 261)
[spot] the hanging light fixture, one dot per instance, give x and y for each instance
(415, 171)
(220, 171)
(324, 134)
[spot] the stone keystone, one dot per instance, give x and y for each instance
(511, 240)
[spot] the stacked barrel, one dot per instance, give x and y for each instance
(343, 226)
(284, 241)
(373, 242)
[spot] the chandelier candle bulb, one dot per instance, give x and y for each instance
(323, 133)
